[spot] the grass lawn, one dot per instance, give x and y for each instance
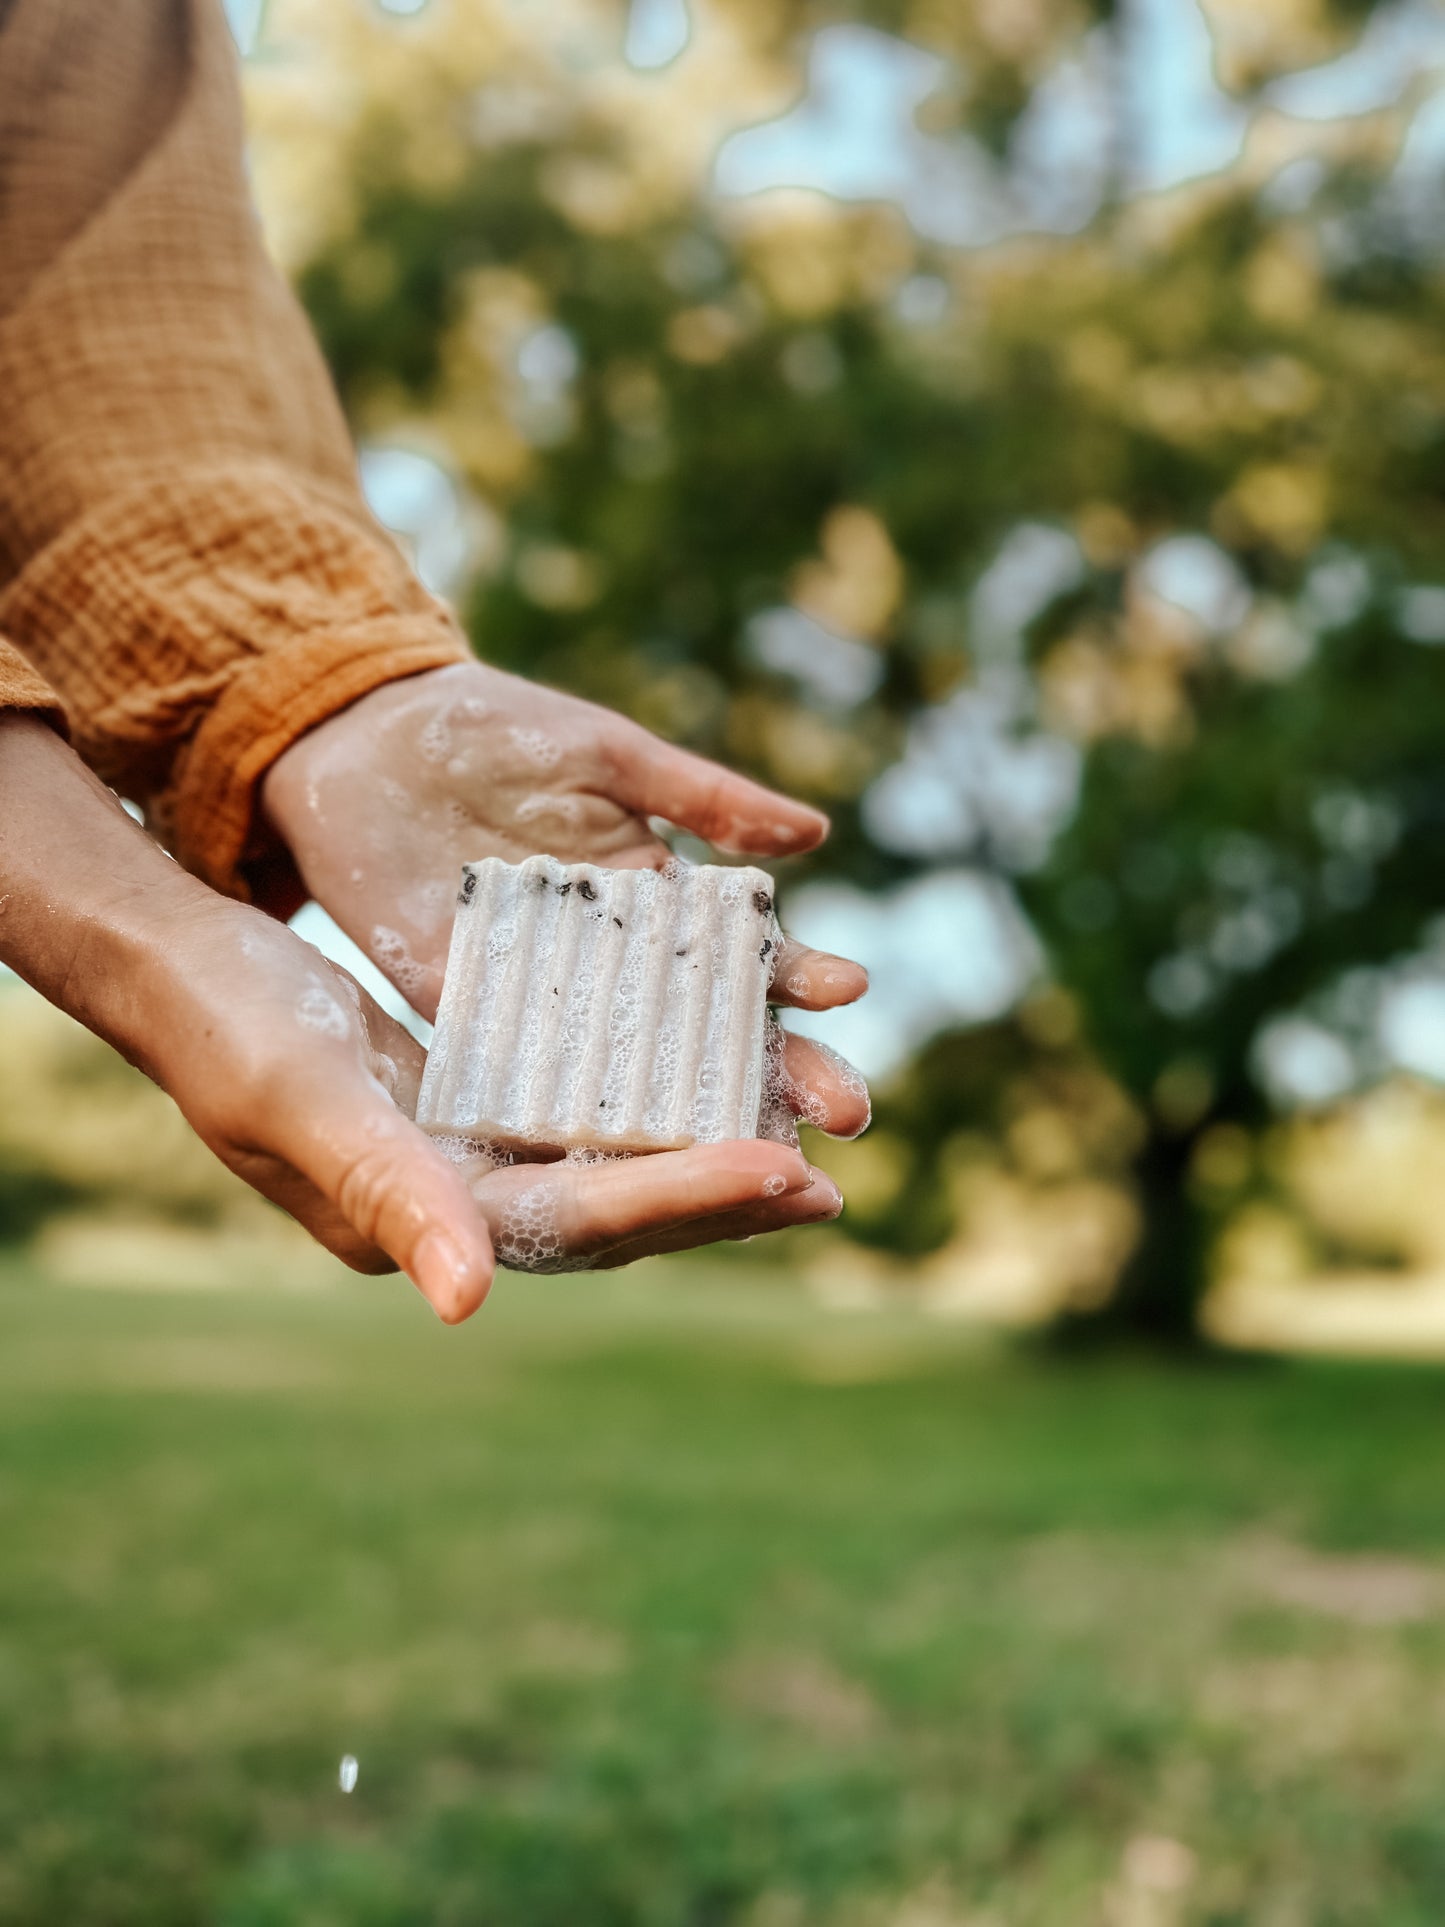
(672, 1601)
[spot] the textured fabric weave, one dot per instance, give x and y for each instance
(21, 688)
(185, 555)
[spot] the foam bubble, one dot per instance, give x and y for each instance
(775, 1185)
(318, 1010)
(528, 1236)
(347, 1773)
(852, 1081)
(569, 808)
(783, 1093)
(536, 747)
(392, 951)
(466, 1152)
(435, 741)
(777, 1121)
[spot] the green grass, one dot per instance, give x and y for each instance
(670, 1601)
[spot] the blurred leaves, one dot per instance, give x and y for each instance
(941, 535)
(1229, 399)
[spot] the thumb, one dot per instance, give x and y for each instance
(394, 1188)
(653, 778)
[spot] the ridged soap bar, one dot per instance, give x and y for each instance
(615, 1010)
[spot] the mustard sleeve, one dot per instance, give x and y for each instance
(186, 559)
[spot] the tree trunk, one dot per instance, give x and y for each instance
(1163, 1282)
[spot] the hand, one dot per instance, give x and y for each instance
(280, 1063)
(381, 805)
(305, 1089)
(297, 1081)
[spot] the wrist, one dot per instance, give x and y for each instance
(88, 899)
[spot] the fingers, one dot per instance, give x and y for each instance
(818, 1204)
(653, 778)
(814, 979)
(546, 1216)
(392, 1186)
(822, 1088)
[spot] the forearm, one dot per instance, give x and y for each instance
(85, 896)
(185, 554)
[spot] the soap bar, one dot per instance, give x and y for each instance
(609, 1010)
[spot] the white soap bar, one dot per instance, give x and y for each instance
(621, 1010)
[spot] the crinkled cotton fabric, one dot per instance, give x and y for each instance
(189, 576)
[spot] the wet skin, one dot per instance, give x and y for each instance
(292, 1076)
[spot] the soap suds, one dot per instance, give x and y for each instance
(435, 741)
(470, 1154)
(786, 1098)
(776, 1119)
(569, 808)
(852, 1082)
(318, 1010)
(391, 950)
(536, 747)
(528, 1235)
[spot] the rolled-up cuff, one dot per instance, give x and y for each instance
(21, 688)
(197, 625)
(209, 812)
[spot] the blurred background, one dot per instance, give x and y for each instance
(1017, 426)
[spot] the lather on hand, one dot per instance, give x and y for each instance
(382, 804)
(293, 1077)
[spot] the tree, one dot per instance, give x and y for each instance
(758, 464)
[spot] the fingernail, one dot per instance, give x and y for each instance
(443, 1275)
(830, 1198)
(832, 979)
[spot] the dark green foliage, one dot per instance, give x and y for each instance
(1264, 373)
